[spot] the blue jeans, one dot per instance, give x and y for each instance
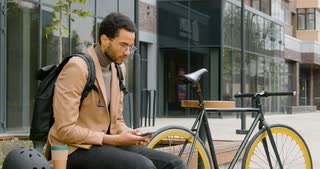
(123, 157)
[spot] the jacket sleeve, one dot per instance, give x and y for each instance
(68, 89)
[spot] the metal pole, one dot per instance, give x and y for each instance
(3, 66)
(136, 75)
(242, 82)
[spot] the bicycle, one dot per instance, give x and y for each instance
(274, 146)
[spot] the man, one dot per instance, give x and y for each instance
(96, 134)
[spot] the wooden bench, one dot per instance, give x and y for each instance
(225, 149)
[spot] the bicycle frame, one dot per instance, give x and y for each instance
(202, 130)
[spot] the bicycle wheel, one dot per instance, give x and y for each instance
(293, 150)
(172, 139)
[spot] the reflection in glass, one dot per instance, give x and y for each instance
(89, 6)
(301, 22)
(265, 6)
(179, 62)
(125, 7)
(267, 36)
(105, 7)
(227, 24)
(22, 62)
(175, 61)
(227, 75)
(50, 43)
(310, 20)
(251, 73)
(82, 33)
(236, 29)
(256, 4)
(50, 2)
(236, 70)
(317, 19)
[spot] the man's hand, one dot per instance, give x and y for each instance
(127, 137)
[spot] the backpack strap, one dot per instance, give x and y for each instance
(120, 76)
(91, 75)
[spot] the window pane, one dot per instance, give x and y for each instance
(227, 24)
(254, 34)
(236, 29)
(268, 35)
(261, 35)
(89, 6)
(175, 35)
(301, 22)
(236, 69)
(311, 10)
(127, 8)
(22, 62)
(318, 20)
(256, 4)
(227, 74)
(260, 73)
(50, 2)
(265, 6)
(251, 73)
(310, 21)
(204, 23)
(82, 33)
(301, 10)
(50, 43)
(105, 7)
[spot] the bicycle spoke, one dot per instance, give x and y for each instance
(179, 141)
(293, 152)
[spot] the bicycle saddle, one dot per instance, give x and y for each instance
(193, 77)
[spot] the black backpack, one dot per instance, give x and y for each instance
(42, 118)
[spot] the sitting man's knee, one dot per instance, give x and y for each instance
(179, 164)
(176, 163)
(146, 164)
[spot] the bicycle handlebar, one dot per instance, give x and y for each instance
(265, 94)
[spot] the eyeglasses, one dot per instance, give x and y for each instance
(124, 47)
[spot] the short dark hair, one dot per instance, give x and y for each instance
(113, 22)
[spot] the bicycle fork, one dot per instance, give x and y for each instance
(272, 141)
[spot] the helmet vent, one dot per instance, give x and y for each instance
(25, 158)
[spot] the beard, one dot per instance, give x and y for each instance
(108, 52)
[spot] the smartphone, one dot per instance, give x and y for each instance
(146, 134)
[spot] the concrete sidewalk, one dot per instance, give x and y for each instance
(307, 124)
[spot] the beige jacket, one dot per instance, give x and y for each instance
(85, 127)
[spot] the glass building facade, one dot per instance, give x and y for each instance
(177, 37)
(25, 48)
(207, 34)
(265, 66)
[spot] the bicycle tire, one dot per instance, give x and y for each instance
(293, 150)
(171, 139)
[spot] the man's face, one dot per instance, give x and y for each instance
(120, 47)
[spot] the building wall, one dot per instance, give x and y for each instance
(308, 35)
(307, 3)
(148, 36)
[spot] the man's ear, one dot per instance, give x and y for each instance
(104, 40)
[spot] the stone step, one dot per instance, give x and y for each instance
(225, 151)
